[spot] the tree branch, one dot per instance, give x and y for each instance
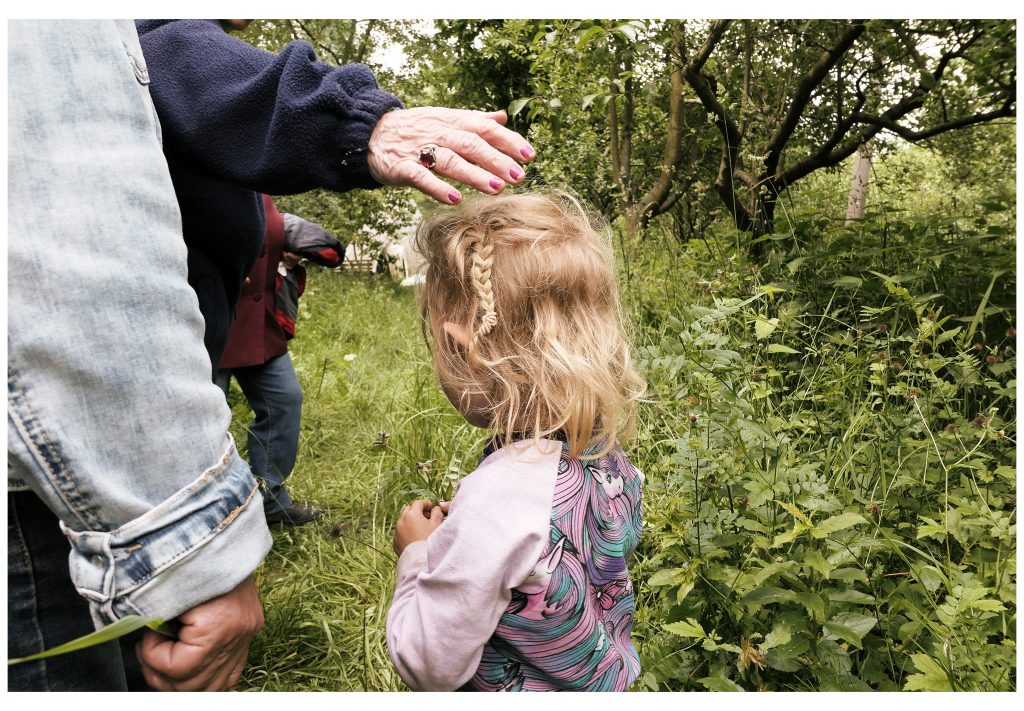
(836, 149)
(1005, 111)
(718, 28)
(364, 43)
(673, 136)
(318, 44)
(730, 167)
(805, 89)
(820, 157)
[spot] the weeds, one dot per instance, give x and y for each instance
(832, 486)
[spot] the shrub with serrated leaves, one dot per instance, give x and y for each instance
(831, 468)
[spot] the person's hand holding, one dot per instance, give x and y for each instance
(416, 522)
(211, 648)
(472, 147)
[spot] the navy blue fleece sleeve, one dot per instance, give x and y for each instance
(274, 123)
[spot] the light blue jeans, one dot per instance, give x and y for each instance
(113, 419)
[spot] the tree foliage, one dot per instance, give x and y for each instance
(642, 114)
(809, 94)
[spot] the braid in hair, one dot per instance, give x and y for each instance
(483, 260)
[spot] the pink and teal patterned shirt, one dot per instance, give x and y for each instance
(524, 587)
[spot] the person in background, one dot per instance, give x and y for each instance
(257, 354)
(125, 493)
(238, 121)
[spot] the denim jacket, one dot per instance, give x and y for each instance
(113, 418)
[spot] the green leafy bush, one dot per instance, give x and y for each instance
(831, 497)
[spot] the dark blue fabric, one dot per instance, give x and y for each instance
(44, 610)
(237, 119)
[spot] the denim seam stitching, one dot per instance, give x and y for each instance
(131, 607)
(38, 441)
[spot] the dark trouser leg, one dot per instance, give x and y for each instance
(275, 395)
(44, 610)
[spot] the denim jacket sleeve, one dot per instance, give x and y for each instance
(113, 418)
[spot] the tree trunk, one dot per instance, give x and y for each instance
(763, 211)
(634, 222)
(859, 184)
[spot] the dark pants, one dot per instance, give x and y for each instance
(44, 610)
(275, 396)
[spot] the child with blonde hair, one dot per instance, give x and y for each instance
(520, 582)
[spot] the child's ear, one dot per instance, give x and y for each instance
(458, 333)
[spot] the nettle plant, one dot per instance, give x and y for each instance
(831, 494)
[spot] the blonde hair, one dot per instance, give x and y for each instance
(531, 279)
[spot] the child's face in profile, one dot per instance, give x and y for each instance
(473, 406)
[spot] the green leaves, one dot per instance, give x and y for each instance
(933, 676)
(763, 328)
(849, 626)
(629, 31)
(689, 628)
(822, 530)
(837, 523)
(720, 683)
(123, 626)
(587, 35)
(866, 509)
(780, 635)
(796, 513)
(681, 578)
(979, 312)
(850, 595)
(516, 106)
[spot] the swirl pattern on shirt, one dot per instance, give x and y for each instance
(568, 626)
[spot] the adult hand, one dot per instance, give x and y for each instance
(211, 648)
(416, 522)
(473, 147)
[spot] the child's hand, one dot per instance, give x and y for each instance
(416, 522)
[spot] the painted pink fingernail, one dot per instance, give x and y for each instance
(515, 174)
(527, 152)
(496, 184)
(454, 196)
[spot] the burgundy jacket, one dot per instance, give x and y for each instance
(256, 336)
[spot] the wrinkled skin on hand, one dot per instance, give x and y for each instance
(473, 148)
(212, 645)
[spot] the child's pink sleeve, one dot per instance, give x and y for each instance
(453, 588)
